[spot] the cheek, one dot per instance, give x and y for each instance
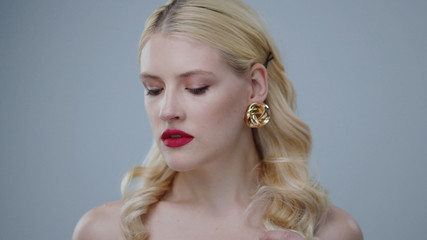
(226, 112)
(152, 113)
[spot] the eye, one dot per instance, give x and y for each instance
(198, 91)
(154, 92)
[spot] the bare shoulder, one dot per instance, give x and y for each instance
(102, 222)
(339, 225)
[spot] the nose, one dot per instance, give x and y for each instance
(170, 108)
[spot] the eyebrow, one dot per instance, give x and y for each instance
(144, 75)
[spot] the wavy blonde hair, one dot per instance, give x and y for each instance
(292, 200)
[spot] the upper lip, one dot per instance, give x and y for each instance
(175, 132)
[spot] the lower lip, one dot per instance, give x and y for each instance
(177, 142)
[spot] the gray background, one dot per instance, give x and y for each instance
(72, 120)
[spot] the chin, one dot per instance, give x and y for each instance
(181, 164)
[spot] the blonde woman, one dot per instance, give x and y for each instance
(229, 159)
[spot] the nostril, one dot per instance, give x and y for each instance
(169, 114)
(170, 109)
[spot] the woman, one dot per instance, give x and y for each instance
(218, 169)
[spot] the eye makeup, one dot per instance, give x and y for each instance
(196, 82)
(153, 91)
(198, 91)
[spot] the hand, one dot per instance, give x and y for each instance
(280, 235)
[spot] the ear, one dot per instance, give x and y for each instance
(259, 83)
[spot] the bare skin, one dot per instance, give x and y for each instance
(215, 179)
(103, 223)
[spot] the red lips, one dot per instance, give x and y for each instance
(176, 138)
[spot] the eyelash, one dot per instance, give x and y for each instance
(154, 92)
(198, 91)
(195, 91)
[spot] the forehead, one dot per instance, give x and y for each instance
(174, 53)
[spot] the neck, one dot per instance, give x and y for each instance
(226, 182)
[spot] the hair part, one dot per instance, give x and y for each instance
(293, 201)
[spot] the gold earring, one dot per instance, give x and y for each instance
(257, 115)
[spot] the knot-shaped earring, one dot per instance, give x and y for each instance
(257, 115)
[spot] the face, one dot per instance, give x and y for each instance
(194, 101)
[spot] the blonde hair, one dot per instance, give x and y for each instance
(292, 200)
